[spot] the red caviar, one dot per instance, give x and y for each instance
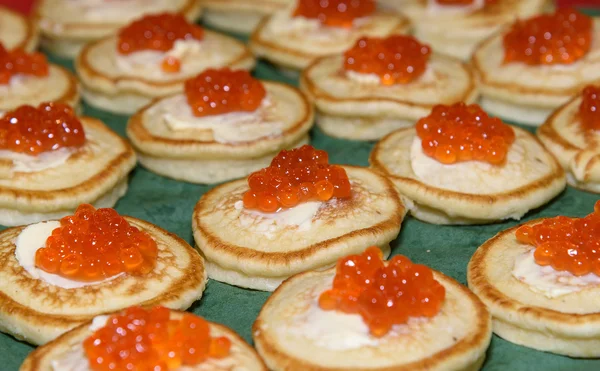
(295, 176)
(335, 13)
(560, 38)
(18, 61)
(219, 91)
(589, 109)
(48, 127)
(566, 244)
(150, 340)
(92, 245)
(463, 132)
(397, 59)
(383, 294)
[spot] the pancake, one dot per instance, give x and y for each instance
(95, 173)
(17, 31)
(37, 312)
(351, 109)
(67, 26)
(577, 151)
(529, 94)
(249, 249)
(59, 86)
(567, 324)
(469, 192)
(455, 339)
(106, 86)
(239, 16)
(295, 42)
(203, 155)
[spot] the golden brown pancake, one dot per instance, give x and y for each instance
(17, 31)
(240, 16)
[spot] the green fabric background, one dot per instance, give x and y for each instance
(169, 204)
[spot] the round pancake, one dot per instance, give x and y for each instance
(431, 202)
(568, 325)
(239, 16)
(96, 174)
(247, 250)
(529, 94)
(277, 40)
(17, 31)
(37, 312)
(353, 110)
(59, 86)
(105, 86)
(577, 151)
(66, 28)
(420, 345)
(194, 155)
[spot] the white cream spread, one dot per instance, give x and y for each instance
(313, 28)
(74, 359)
(301, 216)
(373, 79)
(23, 163)
(434, 8)
(31, 239)
(226, 128)
(548, 281)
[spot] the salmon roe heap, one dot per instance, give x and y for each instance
(150, 340)
(560, 38)
(220, 91)
(48, 127)
(397, 59)
(566, 244)
(18, 61)
(589, 109)
(335, 13)
(384, 295)
(463, 132)
(298, 175)
(92, 245)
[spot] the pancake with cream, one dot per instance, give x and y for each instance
(255, 233)
(460, 166)
(17, 31)
(411, 318)
(239, 16)
(124, 73)
(195, 138)
(362, 95)
(66, 26)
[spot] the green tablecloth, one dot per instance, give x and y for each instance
(169, 204)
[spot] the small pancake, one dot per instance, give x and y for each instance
(529, 94)
(37, 312)
(455, 339)
(368, 111)
(194, 155)
(433, 198)
(17, 31)
(576, 150)
(239, 16)
(107, 87)
(245, 249)
(567, 325)
(67, 26)
(295, 42)
(59, 86)
(96, 173)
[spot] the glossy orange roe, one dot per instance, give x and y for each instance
(589, 109)
(335, 13)
(219, 91)
(18, 61)
(48, 127)
(92, 245)
(463, 132)
(384, 295)
(560, 38)
(397, 59)
(149, 340)
(566, 244)
(295, 176)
